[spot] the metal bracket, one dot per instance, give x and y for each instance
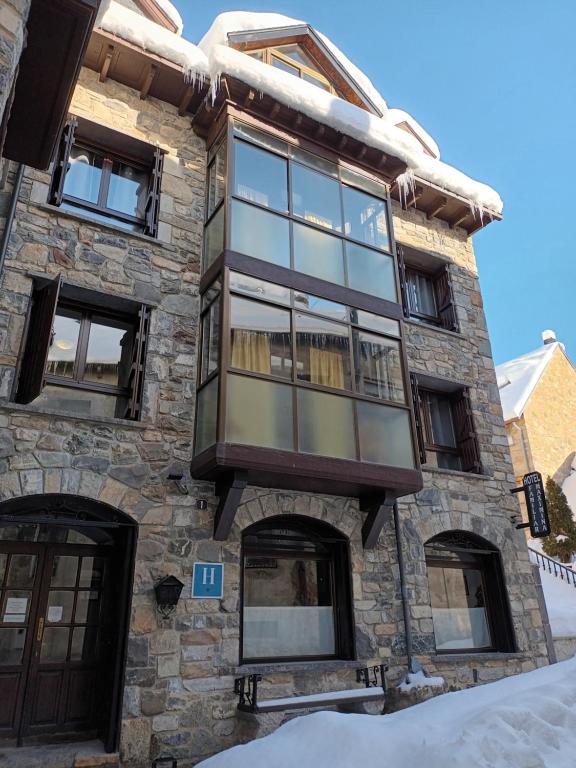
(246, 688)
(369, 676)
(379, 509)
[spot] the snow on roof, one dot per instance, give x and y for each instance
(148, 35)
(349, 120)
(517, 378)
(523, 720)
(398, 116)
(172, 13)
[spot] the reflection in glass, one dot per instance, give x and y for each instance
(12, 641)
(15, 606)
(109, 354)
(260, 338)
(21, 571)
(375, 322)
(326, 424)
(458, 608)
(316, 197)
(60, 605)
(80, 402)
(213, 239)
(318, 254)
(83, 646)
(92, 571)
(206, 416)
(210, 340)
(321, 306)
(216, 180)
(441, 420)
(3, 561)
(379, 371)
(86, 607)
(62, 352)
(259, 289)
(371, 272)
(54, 644)
(83, 175)
(259, 413)
(64, 570)
(287, 608)
(284, 66)
(128, 189)
(260, 234)
(365, 218)
(420, 290)
(323, 352)
(385, 435)
(260, 177)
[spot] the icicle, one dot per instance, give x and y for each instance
(406, 185)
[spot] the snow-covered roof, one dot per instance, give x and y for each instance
(518, 378)
(213, 58)
(172, 13)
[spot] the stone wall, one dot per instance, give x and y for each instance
(13, 18)
(179, 682)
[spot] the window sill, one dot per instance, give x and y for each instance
(115, 228)
(297, 666)
(455, 473)
(433, 328)
(20, 408)
(488, 656)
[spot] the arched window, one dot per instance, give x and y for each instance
(467, 594)
(295, 591)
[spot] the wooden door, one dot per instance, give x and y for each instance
(50, 661)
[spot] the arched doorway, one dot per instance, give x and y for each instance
(66, 569)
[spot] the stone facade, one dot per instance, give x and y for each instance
(13, 17)
(179, 680)
(544, 438)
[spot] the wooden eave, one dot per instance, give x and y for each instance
(155, 13)
(314, 46)
(146, 72)
(438, 203)
(239, 95)
(58, 32)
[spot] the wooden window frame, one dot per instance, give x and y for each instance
(269, 52)
(337, 554)
(32, 375)
(148, 223)
(429, 444)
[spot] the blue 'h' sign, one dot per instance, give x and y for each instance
(208, 580)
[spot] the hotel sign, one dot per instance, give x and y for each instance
(536, 504)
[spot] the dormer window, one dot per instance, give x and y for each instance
(294, 60)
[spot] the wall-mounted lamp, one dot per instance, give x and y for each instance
(167, 593)
(180, 484)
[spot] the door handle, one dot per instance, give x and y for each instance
(40, 631)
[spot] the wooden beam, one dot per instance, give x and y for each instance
(438, 204)
(249, 98)
(415, 196)
(383, 160)
(274, 111)
(185, 100)
(320, 131)
(149, 78)
(362, 153)
(298, 121)
(462, 214)
(342, 143)
(229, 488)
(106, 63)
(379, 512)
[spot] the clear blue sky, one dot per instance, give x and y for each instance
(494, 83)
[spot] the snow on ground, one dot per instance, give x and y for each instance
(419, 680)
(526, 721)
(561, 604)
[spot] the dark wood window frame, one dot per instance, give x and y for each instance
(440, 278)
(269, 53)
(337, 553)
(467, 447)
(460, 551)
(71, 138)
(46, 301)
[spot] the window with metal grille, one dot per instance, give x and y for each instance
(83, 357)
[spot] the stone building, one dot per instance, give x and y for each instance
(243, 346)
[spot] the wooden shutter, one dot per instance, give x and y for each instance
(61, 161)
(418, 416)
(153, 200)
(445, 299)
(136, 376)
(466, 439)
(38, 339)
(403, 284)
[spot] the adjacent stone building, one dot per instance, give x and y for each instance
(241, 326)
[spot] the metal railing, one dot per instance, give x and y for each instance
(550, 565)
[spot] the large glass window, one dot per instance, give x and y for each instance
(260, 338)
(323, 220)
(259, 413)
(323, 352)
(467, 596)
(296, 602)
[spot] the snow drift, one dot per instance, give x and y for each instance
(526, 721)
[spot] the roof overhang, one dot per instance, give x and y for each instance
(318, 50)
(57, 35)
(238, 94)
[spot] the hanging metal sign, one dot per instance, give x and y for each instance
(533, 488)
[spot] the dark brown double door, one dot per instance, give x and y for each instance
(53, 639)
